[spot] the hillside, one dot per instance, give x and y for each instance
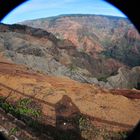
(49, 107)
(115, 37)
(42, 51)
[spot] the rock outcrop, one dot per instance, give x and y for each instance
(89, 51)
(43, 52)
(115, 37)
(126, 78)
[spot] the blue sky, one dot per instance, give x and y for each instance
(33, 9)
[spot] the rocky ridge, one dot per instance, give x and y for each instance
(93, 34)
(42, 51)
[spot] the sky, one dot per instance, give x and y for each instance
(34, 9)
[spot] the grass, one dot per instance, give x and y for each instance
(88, 131)
(103, 78)
(72, 68)
(23, 107)
(83, 122)
(123, 135)
(13, 131)
(50, 91)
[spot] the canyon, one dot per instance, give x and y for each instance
(69, 77)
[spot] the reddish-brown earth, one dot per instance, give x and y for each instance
(17, 82)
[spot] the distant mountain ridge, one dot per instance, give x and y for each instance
(95, 34)
(42, 51)
(77, 15)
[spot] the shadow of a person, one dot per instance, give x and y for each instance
(67, 115)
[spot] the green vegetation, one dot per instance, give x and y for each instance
(123, 135)
(83, 122)
(13, 131)
(72, 68)
(107, 43)
(22, 109)
(50, 91)
(89, 131)
(125, 54)
(115, 135)
(103, 78)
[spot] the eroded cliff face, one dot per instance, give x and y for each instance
(115, 37)
(42, 51)
(126, 78)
